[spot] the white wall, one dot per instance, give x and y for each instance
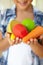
(34, 2)
(8, 3)
(39, 4)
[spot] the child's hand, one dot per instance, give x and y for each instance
(36, 47)
(41, 38)
(12, 42)
(33, 41)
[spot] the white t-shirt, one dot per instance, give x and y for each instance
(20, 54)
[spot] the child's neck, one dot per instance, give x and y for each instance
(29, 9)
(22, 14)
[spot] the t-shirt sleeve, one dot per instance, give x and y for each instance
(5, 18)
(39, 18)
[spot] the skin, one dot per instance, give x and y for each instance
(24, 9)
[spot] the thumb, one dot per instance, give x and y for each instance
(31, 40)
(7, 35)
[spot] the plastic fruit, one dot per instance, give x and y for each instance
(33, 34)
(12, 37)
(29, 24)
(19, 30)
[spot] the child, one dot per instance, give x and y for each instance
(23, 54)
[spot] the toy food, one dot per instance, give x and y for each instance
(29, 24)
(19, 30)
(33, 34)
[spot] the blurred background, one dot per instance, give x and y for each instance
(4, 4)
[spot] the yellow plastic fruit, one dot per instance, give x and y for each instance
(12, 37)
(10, 25)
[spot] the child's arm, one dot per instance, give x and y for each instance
(4, 42)
(0, 35)
(37, 48)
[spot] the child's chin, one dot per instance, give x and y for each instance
(23, 8)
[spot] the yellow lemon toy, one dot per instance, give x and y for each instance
(12, 37)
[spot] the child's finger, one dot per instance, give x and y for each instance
(11, 42)
(17, 40)
(35, 41)
(31, 41)
(20, 40)
(28, 42)
(7, 35)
